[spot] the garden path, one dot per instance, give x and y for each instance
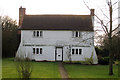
(63, 72)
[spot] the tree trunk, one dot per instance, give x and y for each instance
(110, 42)
(110, 64)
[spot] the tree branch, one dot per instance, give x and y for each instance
(105, 14)
(115, 2)
(116, 27)
(101, 21)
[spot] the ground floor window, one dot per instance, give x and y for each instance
(76, 51)
(33, 50)
(37, 50)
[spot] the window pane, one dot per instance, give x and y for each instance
(80, 51)
(37, 33)
(76, 35)
(37, 51)
(40, 50)
(33, 33)
(79, 34)
(76, 51)
(72, 51)
(73, 33)
(33, 50)
(40, 33)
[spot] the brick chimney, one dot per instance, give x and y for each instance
(92, 12)
(21, 17)
(92, 16)
(22, 12)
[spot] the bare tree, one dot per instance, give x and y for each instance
(107, 27)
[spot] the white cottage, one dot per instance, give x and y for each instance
(57, 37)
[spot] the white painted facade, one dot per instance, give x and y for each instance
(57, 45)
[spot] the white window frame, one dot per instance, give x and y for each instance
(37, 33)
(75, 50)
(79, 51)
(40, 50)
(74, 34)
(72, 51)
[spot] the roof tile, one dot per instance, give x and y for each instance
(57, 22)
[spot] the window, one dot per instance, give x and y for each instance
(33, 33)
(80, 50)
(33, 50)
(37, 50)
(40, 50)
(37, 33)
(72, 51)
(76, 34)
(40, 33)
(76, 51)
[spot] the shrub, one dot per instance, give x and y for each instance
(116, 62)
(103, 60)
(24, 68)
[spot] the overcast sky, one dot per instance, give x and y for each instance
(11, 7)
(77, 7)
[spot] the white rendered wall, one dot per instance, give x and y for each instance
(53, 39)
(57, 38)
(48, 53)
(87, 52)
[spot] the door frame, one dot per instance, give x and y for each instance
(56, 53)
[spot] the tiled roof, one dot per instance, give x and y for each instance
(57, 22)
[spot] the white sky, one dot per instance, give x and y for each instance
(11, 7)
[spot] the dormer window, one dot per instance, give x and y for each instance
(37, 33)
(76, 34)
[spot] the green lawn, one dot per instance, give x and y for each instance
(50, 70)
(39, 70)
(89, 71)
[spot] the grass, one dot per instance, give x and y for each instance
(39, 69)
(50, 70)
(90, 71)
(0, 68)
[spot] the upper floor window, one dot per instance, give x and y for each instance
(37, 33)
(76, 34)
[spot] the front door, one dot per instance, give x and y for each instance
(59, 54)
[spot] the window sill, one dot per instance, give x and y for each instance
(36, 37)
